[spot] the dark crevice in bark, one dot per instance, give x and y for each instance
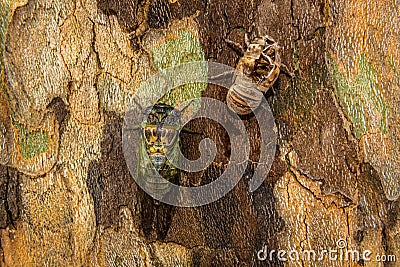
(95, 187)
(9, 197)
(60, 110)
(109, 180)
(125, 10)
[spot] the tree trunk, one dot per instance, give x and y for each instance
(70, 70)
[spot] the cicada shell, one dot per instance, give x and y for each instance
(258, 70)
(243, 95)
(159, 138)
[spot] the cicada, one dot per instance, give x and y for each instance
(159, 148)
(258, 69)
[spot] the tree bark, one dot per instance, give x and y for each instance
(70, 69)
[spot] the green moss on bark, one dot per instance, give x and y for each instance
(186, 48)
(361, 98)
(32, 143)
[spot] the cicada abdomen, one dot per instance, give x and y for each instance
(258, 69)
(159, 147)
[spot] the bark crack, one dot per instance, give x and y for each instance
(71, 14)
(294, 22)
(295, 171)
(11, 217)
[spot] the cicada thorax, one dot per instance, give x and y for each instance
(267, 69)
(257, 71)
(159, 150)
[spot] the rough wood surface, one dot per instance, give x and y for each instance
(70, 68)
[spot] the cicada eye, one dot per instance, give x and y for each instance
(168, 135)
(172, 119)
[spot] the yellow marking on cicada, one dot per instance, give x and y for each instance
(159, 143)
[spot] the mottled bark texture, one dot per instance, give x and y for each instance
(69, 70)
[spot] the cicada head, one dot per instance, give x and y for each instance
(160, 132)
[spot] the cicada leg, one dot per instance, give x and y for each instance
(236, 46)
